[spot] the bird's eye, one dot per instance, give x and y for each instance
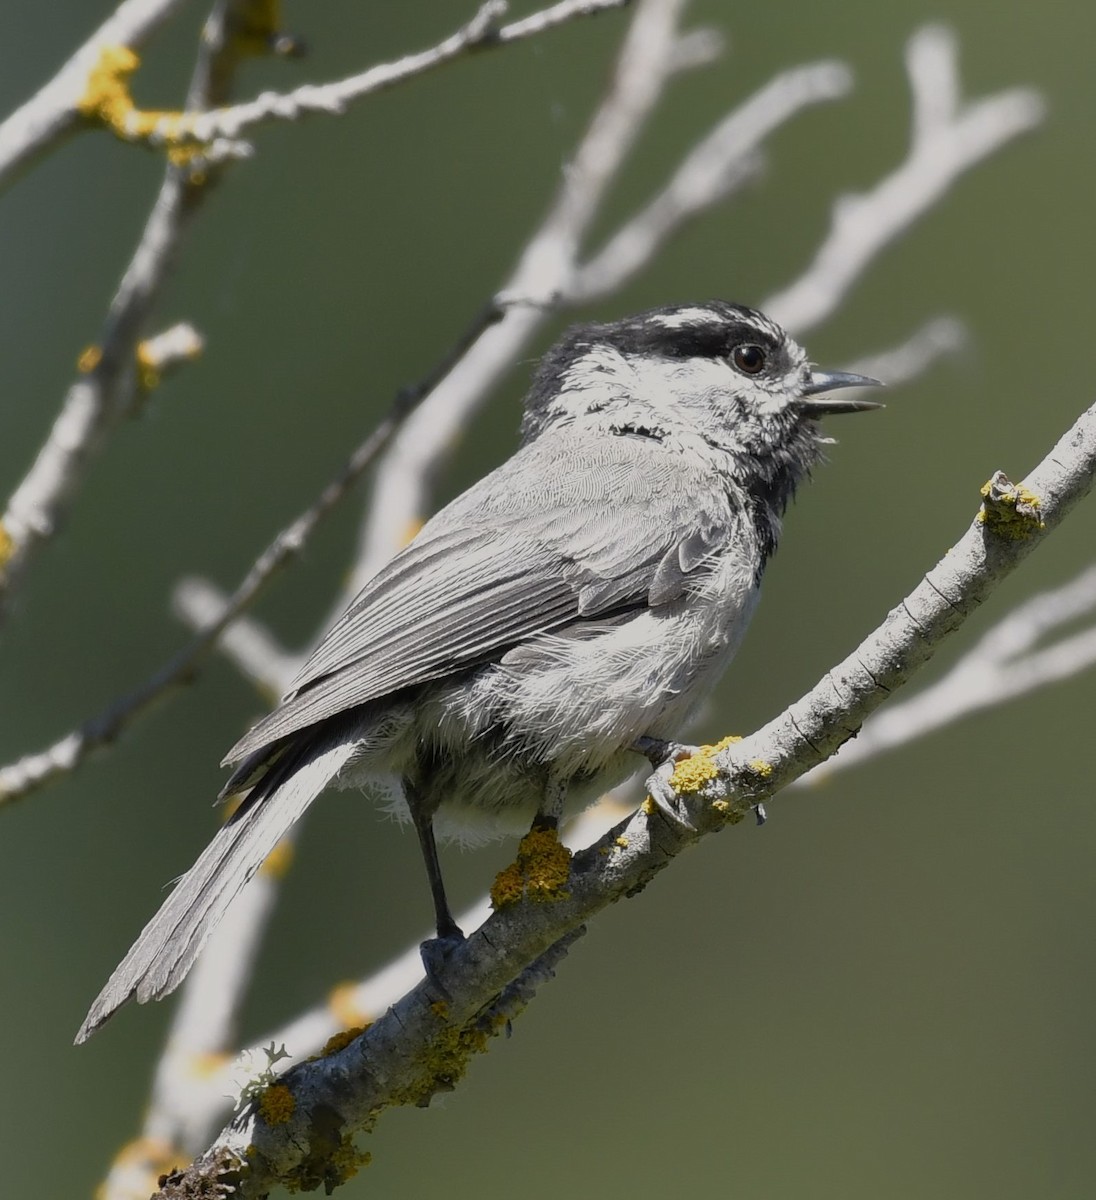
(749, 359)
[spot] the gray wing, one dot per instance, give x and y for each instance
(570, 528)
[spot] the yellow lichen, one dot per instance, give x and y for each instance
(622, 842)
(342, 1039)
(443, 1061)
(440, 1009)
(760, 767)
(277, 1104)
(1009, 510)
(107, 99)
(539, 873)
(7, 546)
(344, 1162)
(107, 94)
(343, 1005)
(278, 861)
(90, 358)
(692, 773)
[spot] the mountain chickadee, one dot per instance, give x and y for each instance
(575, 604)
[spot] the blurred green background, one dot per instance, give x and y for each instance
(889, 990)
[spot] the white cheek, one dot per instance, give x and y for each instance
(773, 397)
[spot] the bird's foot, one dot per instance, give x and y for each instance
(664, 757)
(437, 952)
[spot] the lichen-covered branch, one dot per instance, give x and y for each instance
(221, 128)
(111, 372)
(424, 1042)
(54, 111)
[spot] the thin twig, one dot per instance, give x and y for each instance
(226, 125)
(1005, 665)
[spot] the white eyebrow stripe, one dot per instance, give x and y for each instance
(687, 316)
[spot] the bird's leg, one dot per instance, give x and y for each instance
(550, 811)
(437, 949)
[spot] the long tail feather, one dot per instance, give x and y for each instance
(170, 942)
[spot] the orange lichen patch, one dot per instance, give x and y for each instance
(90, 358)
(278, 861)
(343, 1007)
(277, 1105)
(339, 1041)
(539, 873)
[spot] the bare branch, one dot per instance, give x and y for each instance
(715, 167)
(54, 111)
(947, 140)
(389, 1063)
(110, 381)
(1004, 665)
(195, 1085)
(247, 643)
(224, 126)
(20, 778)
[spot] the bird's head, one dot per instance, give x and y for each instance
(721, 372)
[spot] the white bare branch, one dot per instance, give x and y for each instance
(226, 125)
(715, 167)
(947, 139)
(478, 986)
(1004, 665)
(53, 112)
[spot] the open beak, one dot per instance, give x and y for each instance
(828, 381)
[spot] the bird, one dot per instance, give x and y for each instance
(565, 613)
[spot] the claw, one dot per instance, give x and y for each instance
(662, 793)
(657, 752)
